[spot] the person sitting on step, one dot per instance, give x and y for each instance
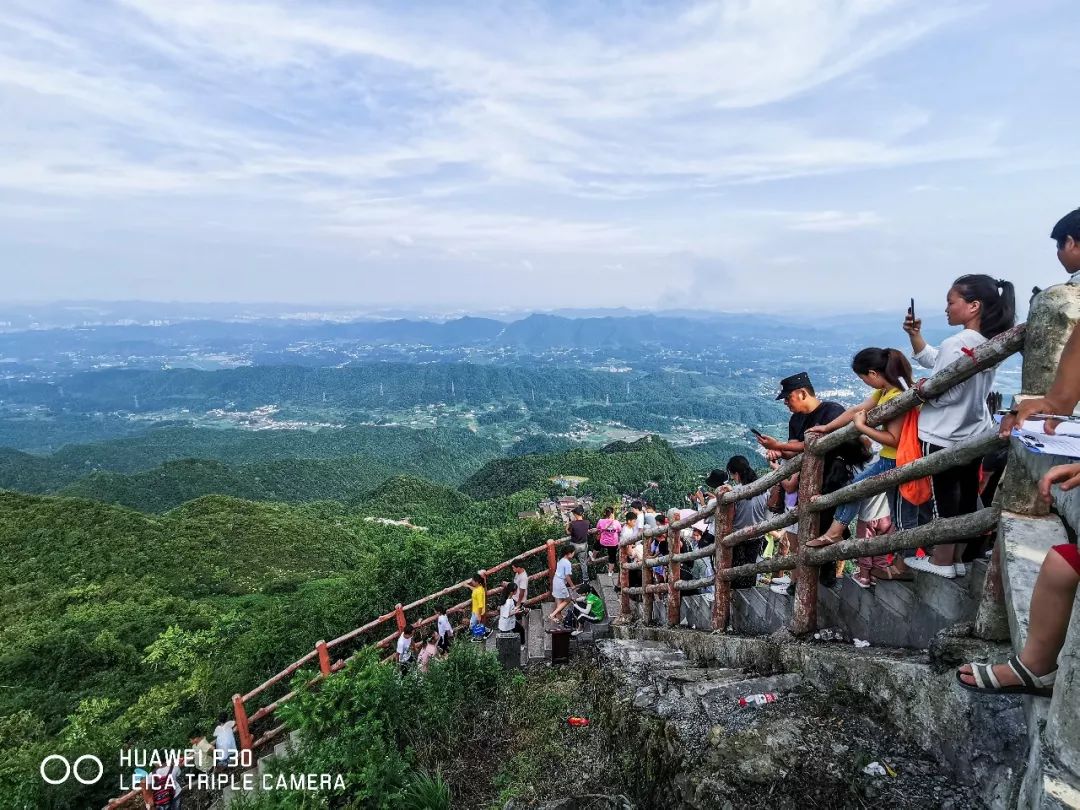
(1034, 670)
(589, 608)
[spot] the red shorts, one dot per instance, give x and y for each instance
(1071, 554)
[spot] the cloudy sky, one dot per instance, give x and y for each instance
(736, 155)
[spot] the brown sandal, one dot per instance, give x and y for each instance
(821, 542)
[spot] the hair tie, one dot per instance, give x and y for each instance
(1001, 282)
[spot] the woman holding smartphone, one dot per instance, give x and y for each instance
(984, 307)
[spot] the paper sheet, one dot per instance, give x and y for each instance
(1064, 442)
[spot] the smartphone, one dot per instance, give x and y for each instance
(757, 433)
(911, 309)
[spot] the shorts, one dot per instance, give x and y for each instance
(1071, 554)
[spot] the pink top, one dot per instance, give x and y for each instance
(608, 530)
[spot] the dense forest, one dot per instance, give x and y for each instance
(121, 626)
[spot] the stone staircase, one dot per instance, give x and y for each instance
(891, 614)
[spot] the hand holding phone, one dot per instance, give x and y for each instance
(757, 432)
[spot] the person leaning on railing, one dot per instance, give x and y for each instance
(888, 373)
(748, 512)
(808, 411)
(984, 307)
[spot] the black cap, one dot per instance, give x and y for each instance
(716, 478)
(794, 383)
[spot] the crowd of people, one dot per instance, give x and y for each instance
(982, 307)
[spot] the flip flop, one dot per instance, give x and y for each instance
(820, 542)
(987, 683)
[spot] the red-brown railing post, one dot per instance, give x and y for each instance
(724, 518)
(646, 581)
(624, 583)
(804, 615)
(324, 657)
(551, 561)
(242, 729)
(399, 616)
(674, 595)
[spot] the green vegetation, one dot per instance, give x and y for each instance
(616, 469)
(122, 626)
(442, 455)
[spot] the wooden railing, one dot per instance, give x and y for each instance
(803, 562)
(382, 632)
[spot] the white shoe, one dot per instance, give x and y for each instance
(784, 580)
(778, 588)
(924, 564)
(961, 569)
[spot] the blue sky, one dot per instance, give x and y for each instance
(734, 155)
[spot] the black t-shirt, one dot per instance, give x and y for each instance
(579, 531)
(822, 415)
(838, 461)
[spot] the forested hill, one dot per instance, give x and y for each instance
(616, 469)
(384, 385)
(443, 454)
(120, 626)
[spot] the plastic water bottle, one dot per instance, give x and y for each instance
(578, 722)
(758, 700)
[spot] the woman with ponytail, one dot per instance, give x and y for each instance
(985, 307)
(888, 372)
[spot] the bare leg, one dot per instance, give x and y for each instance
(1051, 609)
(943, 554)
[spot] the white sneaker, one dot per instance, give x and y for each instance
(778, 588)
(961, 569)
(784, 580)
(924, 564)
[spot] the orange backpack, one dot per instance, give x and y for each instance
(916, 492)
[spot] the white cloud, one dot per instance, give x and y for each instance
(617, 134)
(834, 221)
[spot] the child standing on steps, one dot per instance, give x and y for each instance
(888, 372)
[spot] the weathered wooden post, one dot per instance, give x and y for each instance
(724, 520)
(324, 657)
(804, 615)
(624, 583)
(674, 595)
(243, 731)
(647, 598)
(551, 563)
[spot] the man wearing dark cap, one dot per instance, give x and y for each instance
(808, 411)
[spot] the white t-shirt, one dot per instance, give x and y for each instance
(874, 508)
(443, 626)
(507, 619)
(564, 569)
(521, 581)
(960, 412)
(225, 739)
(404, 648)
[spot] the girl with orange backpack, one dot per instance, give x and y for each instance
(888, 372)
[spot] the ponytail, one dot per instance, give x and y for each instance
(889, 363)
(998, 299)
